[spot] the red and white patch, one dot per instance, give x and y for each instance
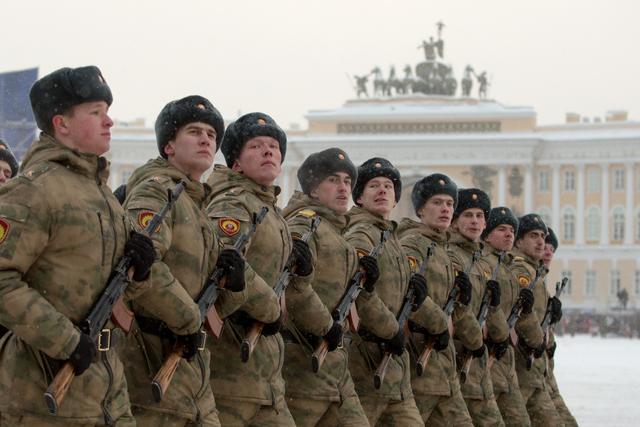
(413, 262)
(4, 229)
(229, 226)
(144, 217)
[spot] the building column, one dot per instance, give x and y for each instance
(580, 205)
(286, 190)
(502, 185)
(628, 219)
(555, 198)
(604, 206)
(528, 189)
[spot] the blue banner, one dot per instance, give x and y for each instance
(17, 125)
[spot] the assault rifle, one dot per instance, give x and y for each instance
(403, 318)
(347, 307)
(546, 321)
(251, 339)
(211, 321)
(109, 305)
(421, 363)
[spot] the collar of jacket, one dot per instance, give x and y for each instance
(359, 214)
(537, 265)
(468, 245)
(223, 178)
(407, 224)
(300, 201)
(196, 190)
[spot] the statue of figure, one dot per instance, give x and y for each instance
(379, 84)
(482, 84)
(408, 79)
(429, 49)
(467, 81)
(440, 47)
(361, 82)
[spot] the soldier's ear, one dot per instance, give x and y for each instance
(60, 124)
(236, 166)
(169, 148)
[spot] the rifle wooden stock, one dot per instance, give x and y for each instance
(121, 315)
(250, 341)
(318, 356)
(163, 377)
(423, 359)
(213, 323)
(466, 365)
(378, 377)
(58, 388)
(353, 318)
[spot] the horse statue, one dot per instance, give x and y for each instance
(379, 83)
(361, 85)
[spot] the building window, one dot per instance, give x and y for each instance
(593, 223)
(567, 274)
(637, 282)
(615, 282)
(568, 225)
(618, 180)
(618, 223)
(593, 181)
(569, 181)
(543, 181)
(590, 284)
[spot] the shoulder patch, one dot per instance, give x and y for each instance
(308, 213)
(518, 258)
(4, 229)
(413, 262)
(487, 275)
(229, 226)
(36, 171)
(361, 252)
(144, 217)
(159, 179)
(523, 280)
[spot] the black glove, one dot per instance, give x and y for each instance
(140, 249)
(441, 341)
(494, 288)
(538, 352)
(464, 286)
(302, 258)
(232, 263)
(478, 352)
(190, 344)
(419, 284)
(552, 350)
(83, 354)
(526, 296)
(556, 309)
(499, 348)
(396, 344)
(272, 328)
(334, 336)
(371, 272)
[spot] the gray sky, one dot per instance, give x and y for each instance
(285, 57)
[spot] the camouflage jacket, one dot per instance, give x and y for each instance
(440, 377)
(234, 199)
(63, 231)
(311, 299)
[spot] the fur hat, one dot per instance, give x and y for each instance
(7, 156)
(529, 223)
(318, 166)
(431, 185)
(473, 198)
(498, 216)
(552, 239)
(373, 168)
(247, 127)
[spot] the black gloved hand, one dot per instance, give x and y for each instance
(538, 352)
(371, 272)
(464, 285)
(83, 354)
(232, 263)
(556, 309)
(420, 290)
(478, 352)
(441, 341)
(499, 348)
(526, 296)
(494, 288)
(334, 336)
(189, 344)
(395, 345)
(140, 249)
(551, 350)
(272, 328)
(302, 258)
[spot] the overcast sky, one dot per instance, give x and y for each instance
(287, 57)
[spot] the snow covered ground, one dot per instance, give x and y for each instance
(599, 379)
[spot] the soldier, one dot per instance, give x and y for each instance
(327, 397)
(62, 234)
(465, 249)
(252, 393)
(550, 248)
(499, 235)
(377, 192)
(529, 271)
(188, 131)
(437, 391)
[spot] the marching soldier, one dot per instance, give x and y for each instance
(499, 235)
(550, 248)
(465, 250)
(188, 131)
(529, 271)
(252, 393)
(437, 390)
(377, 192)
(62, 232)
(327, 397)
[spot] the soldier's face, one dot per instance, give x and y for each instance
(5, 172)
(86, 128)
(547, 255)
(334, 192)
(378, 196)
(501, 237)
(260, 160)
(532, 244)
(470, 223)
(193, 148)
(437, 212)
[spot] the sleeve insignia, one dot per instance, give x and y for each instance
(361, 252)
(523, 280)
(229, 226)
(4, 229)
(413, 262)
(144, 217)
(307, 213)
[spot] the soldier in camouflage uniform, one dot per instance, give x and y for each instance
(251, 393)
(499, 235)
(376, 193)
(469, 220)
(62, 232)
(327, 397)
(437, 391)
(187, 131)
(528, 269)
(550, 248)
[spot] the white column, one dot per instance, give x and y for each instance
(528, 189)
(285, 188)
(628, 218)
(604, 206)
(502, 185)
(580, 205)
(555, 198)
